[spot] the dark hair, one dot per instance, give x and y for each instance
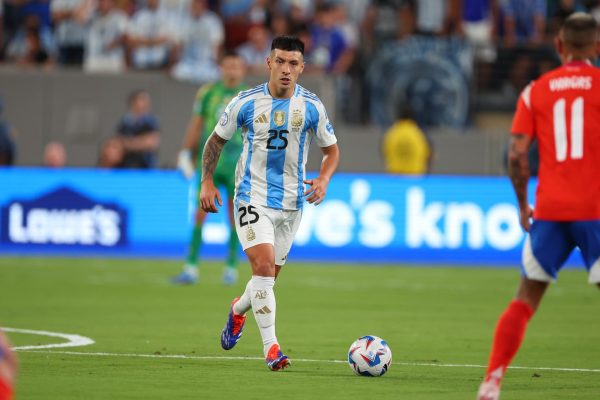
(579, 31)
(133, 95)
(230, 53)
(405, 111)
(288, 43)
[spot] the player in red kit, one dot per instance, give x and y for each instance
(8, 368)
(561, 110)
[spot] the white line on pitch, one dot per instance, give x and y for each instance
(73, 340)
(184, 357)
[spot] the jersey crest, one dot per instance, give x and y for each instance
(297, 119)
(279, 118)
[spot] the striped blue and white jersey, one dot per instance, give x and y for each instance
(277, 135)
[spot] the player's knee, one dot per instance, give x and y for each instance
(263, 266)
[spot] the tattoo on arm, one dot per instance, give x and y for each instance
(210, 156)
(518, 168)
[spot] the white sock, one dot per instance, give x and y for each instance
(243, 304)
(262, 298)
(191, 269)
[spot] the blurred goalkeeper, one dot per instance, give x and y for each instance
(8, 369)
(210, 103)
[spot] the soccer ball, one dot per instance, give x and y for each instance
(369, 356)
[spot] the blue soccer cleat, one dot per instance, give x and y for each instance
(230, 276)
(233, 329)
(276, 360)
(186, 277)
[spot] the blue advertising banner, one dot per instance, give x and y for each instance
(366, 218)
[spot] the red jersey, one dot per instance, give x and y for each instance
(562, 111)
(6, 392)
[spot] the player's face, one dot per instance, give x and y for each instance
(233, 70)
(285, 67)
(141, 104)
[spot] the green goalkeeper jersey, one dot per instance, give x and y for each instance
(210, 103)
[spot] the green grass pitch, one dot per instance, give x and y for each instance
(430, 316)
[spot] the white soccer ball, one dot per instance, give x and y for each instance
(369, 356)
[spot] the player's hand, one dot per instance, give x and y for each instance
(208, 194)
(525, 216)
(317, 190)
(185, 164)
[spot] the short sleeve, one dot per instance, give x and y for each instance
(324, 133)
(228, 122)
(523, 122)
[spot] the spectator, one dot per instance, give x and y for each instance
(256, 50)
(330, 49)
(200, 39)
(105, 50)
(525, 55)
(112, 154)
(32, 45)
(149, 37)
(7, 140)
(280, 25)
(523, 22)
(478, 26)
(561, 12)
(437, 17)
(39, 8)
(386, 21)
(299, 12)
(71, 18)
(356, 10)
(138, 132)
(348, 28)
(406, 149)
(239, 16)
(55, 155)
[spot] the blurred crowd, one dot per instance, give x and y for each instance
(511, 42)
(185, 37)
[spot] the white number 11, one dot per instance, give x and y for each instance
(560, 129)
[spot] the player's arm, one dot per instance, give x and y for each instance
(190, 141)
(318, 186)
(210, 157)
(518, 170)
(148, 141)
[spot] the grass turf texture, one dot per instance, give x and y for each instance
(427, 315)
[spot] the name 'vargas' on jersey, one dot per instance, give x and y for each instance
(561, 110)
(277, 135)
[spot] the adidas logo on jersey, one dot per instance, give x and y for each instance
(261, 119)
(264, 310)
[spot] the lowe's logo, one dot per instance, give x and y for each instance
(63, 217)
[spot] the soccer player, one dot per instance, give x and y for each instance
(210, 103)
(8, 368)
(279, 120)
(562, 111)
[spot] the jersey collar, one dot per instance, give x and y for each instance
(266, 89)
(579, 63)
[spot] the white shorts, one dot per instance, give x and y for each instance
(257, 225)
